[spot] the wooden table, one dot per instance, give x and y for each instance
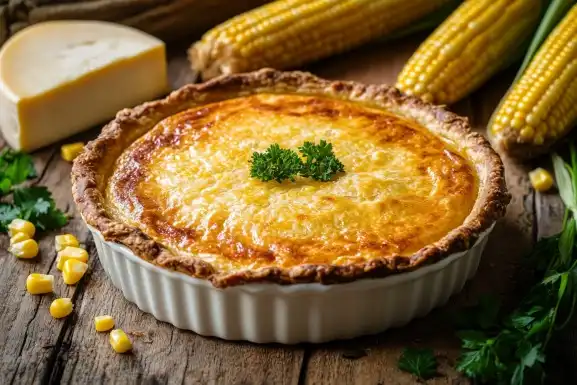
(37, 349)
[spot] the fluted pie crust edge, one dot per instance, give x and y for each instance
(92, 169)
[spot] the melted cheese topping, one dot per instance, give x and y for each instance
(187, 184)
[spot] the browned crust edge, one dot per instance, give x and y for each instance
(89, 177)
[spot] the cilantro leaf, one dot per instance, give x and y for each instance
(419, 362)
(275, 163)
(15, 168)
(34, 204)
(8, 213)
(37, 206)
(321, 163)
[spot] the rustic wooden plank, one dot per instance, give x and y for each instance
(498, 272)
(30, 333)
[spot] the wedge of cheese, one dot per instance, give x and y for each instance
(61, 77)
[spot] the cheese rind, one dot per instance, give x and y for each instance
(62, 77)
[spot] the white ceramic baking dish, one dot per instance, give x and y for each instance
(286, 314)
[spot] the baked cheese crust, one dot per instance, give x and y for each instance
(186, 184)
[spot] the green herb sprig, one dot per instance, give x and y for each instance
(420, 362)
(34, 204)
(279, 164)
(513, 348)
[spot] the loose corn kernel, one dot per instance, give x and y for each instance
(61, 307)
(119, 341)
(39, 283)
(541, 179)
(64, 240)
(73, 270)
(70, 252)
(71, 151)
(25, 249)
(103, 323)
(21, 226)
(19, 237)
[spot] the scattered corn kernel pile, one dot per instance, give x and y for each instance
(72, 261)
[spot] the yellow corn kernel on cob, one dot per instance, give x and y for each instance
(73, 271)
(541, 179)
(468, 48)
(103, 323)
(25, 249)
(19, 237)
(39, 283)
(70, 252)
(21, 226)
(71, 151)
(64, 240)
(289, 33)
(61, 307)
(541, 106)
(120, 341)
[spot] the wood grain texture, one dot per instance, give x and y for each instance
(37, 349)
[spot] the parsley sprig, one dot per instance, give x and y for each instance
(321, 163)
(420, 362)
(279, 164)
(34, 204)
(276, 163)
(512, 349)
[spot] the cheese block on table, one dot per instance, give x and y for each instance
(61, 77)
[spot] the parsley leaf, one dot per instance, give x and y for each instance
(275, 163)
(513, 349)
(419, 362)
(321, 163)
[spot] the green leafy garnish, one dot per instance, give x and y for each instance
(37, 206)
(15, 168)
(513, 351)
(321, 163)
(420, 362)
(279, 164)
(275, 164)
(34, 204)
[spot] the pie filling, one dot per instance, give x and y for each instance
(187, 185)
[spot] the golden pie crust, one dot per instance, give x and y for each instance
(170, 180)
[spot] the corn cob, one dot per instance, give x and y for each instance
(468, 48)
(542, 106)
(290, 33)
